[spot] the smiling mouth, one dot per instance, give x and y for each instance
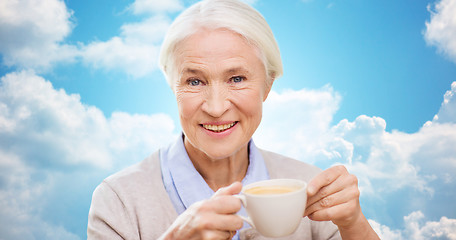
(218, 128)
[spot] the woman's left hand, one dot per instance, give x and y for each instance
(333, 195)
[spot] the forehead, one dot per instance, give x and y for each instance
(216, 48)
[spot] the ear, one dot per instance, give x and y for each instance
(267, 87)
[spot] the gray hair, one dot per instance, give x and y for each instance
(233, 15)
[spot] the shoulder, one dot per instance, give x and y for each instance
(135, 183)
(144, 171)
(129, 202)
(138, 190)
(280, 166)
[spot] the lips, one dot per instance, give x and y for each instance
(218, 127)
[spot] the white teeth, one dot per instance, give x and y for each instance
(218, 128)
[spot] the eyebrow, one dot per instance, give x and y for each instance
(191, 70)
(229, 71)
(237, 69)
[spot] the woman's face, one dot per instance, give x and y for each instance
(220, 89)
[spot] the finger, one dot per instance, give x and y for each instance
(339, 214)
(335, 199)
(230, 222)
(343, 181)
(325, 178)
(225, 204)
(232, 189)
(216, 235)
(227, 222)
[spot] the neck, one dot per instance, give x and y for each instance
(219, 172)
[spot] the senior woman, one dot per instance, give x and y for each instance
(220, 59)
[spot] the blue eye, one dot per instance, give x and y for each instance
(237, 79)
(194, 82)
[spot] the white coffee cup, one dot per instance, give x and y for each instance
(271, 213)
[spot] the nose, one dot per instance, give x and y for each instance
(216, 101)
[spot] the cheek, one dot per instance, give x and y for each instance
(256, 110)
(250, 103)
(187, 103)
(253, 111)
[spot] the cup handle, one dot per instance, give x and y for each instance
(244, 203)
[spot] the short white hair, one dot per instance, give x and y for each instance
(232, 15)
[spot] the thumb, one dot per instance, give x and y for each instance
(232, 189)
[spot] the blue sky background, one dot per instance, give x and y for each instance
(367, 84)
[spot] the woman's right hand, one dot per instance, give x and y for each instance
(214, 218)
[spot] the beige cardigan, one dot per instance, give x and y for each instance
(133, 203)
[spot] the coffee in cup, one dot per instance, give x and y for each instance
(275, 207)
(271, 190)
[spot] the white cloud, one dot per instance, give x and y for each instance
(443, 229)
(49, 139)
(441, 29)
(135, 51)
(19, 219)
(447, 112)
(136, 136)
(21, 198)
(384, 232)
(154, 6)
(32, 33)
(149, 31)
(418, 229)
(36, 116)
(299, 117)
